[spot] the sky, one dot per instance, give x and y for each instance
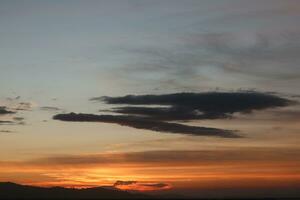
(187, 97)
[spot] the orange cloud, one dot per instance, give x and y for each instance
(141, 186)
(151, 170)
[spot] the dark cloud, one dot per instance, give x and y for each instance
(6, 131)
(14, 107)
(167, 113)
(6, 122)
(188, 106)
(124, 183)
(209, 101)
(18, 119)
(15, 121)
(148, 124)
(156, 185)
(4, 110)
(50, 108)
(180, 106)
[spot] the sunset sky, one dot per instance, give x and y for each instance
(162, 96)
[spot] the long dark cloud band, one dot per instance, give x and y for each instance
(209, 101)
(144, 123)
(180, 106)
(188, 106)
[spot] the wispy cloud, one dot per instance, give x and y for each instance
(154, 169)
(167, 157)
(6, 131)
(50, 108)
(11, 107)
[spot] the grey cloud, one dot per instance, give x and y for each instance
(25, 106)
(14, 107)
(148, 124)
(209, 51)
(6, 131)
(5, 122)
(177, 156)
(18, 118)
(266, 55)
(168, 113)
(4, 110)
(50, 108)
(15, 120)
(117, 183)
(188, 106)
(180, 106)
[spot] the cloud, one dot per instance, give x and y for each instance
(15, 122)
(148, 167)
(50, 108)
(17, 104)
(143, 186)
(205, 101)
(256, 54)
(180, 106)
(255, 46)
(13, 106)
(4, 110)
(10, 121)
(145, 123)
(169, 157)
(18, 119)
(6, 131)
(166, 113)
(6, 122)
(188, 106)
(124, 183)
(25, 106)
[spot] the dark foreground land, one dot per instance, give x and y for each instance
(15, 191)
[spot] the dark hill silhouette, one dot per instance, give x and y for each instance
(10, 190)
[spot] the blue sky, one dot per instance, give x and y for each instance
(90, 46)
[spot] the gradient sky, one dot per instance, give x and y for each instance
(57, 55)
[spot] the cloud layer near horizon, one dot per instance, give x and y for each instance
(138, 186)
(164, 158)
(156, 168)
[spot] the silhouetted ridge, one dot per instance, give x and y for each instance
(10, 190)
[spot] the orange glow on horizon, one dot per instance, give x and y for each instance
(218, 175)
(160, 170)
